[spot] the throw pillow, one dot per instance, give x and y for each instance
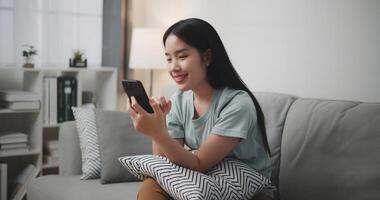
(88, 141)
(230, 179)
(117, 137)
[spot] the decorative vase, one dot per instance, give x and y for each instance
(28, 65)
(78, 63)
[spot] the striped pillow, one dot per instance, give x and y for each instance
(230, 179)
(88, 141)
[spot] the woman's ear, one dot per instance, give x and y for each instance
(207, 57)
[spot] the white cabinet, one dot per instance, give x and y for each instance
(101, 81)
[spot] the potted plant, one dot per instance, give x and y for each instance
(77, 59)
(28, 53)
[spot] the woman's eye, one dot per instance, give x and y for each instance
(182, 57)
(168, 60)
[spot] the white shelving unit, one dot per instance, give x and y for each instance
(101, 81)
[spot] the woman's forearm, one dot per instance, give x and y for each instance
(176, 153)
(156, 150)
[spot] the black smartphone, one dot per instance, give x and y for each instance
(135, 88)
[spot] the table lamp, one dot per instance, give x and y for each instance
(147, 51)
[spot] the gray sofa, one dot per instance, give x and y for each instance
(322, 149)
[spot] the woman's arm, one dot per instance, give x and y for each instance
(211, 152)
(157, 151)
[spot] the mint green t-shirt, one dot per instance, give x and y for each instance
(231, 113)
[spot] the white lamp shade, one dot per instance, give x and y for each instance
(147, 50)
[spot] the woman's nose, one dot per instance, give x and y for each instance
(174, 65)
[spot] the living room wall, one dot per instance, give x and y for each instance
(326, 49)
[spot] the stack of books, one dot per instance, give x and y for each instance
(59, 94)
(19, 100)
(14, 142)
(52, 157)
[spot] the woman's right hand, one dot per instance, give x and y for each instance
(165, 105)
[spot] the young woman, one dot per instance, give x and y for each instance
(214, 113)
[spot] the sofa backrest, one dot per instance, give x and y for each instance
(330, 150)
(275, 107)
(70, 158)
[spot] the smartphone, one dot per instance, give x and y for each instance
(136, 89)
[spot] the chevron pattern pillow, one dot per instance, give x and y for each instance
(230, 179)
(88, 142)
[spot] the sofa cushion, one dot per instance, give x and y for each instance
(275, 107)
(54, 187)
(88, 140)
(70, 159)
(230, 179)
(118, 137)
(330, 150)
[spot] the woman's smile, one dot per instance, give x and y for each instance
(179, 78)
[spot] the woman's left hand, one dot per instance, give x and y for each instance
(150, 124)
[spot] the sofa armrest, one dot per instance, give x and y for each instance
(70, 158)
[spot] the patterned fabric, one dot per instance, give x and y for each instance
(88, 140)
(230, 179)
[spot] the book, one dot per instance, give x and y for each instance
(18, 95)
(45, 102)
(19, 145)
(21, 181)
(20, 105)
(67, 97)
(53, 107)
(50, 96)
(14, 151)
(52, 144)
(3, 181)
(51, 160)
(15, 137)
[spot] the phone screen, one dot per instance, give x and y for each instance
(135, 88)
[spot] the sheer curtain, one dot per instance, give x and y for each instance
(54, 27)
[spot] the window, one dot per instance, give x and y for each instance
(54, 27)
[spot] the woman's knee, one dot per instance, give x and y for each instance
(150, 189)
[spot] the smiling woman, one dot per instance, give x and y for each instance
(214, 112)
(186, 66)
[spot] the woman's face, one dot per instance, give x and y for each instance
(186, 66)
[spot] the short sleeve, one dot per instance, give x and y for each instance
(236, 118)
(175, 127)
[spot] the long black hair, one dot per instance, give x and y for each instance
(220, 73)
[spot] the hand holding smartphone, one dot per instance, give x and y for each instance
(135, 88)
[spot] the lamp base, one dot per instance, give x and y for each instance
(151, 82)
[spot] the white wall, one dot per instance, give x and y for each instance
(326, 48)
